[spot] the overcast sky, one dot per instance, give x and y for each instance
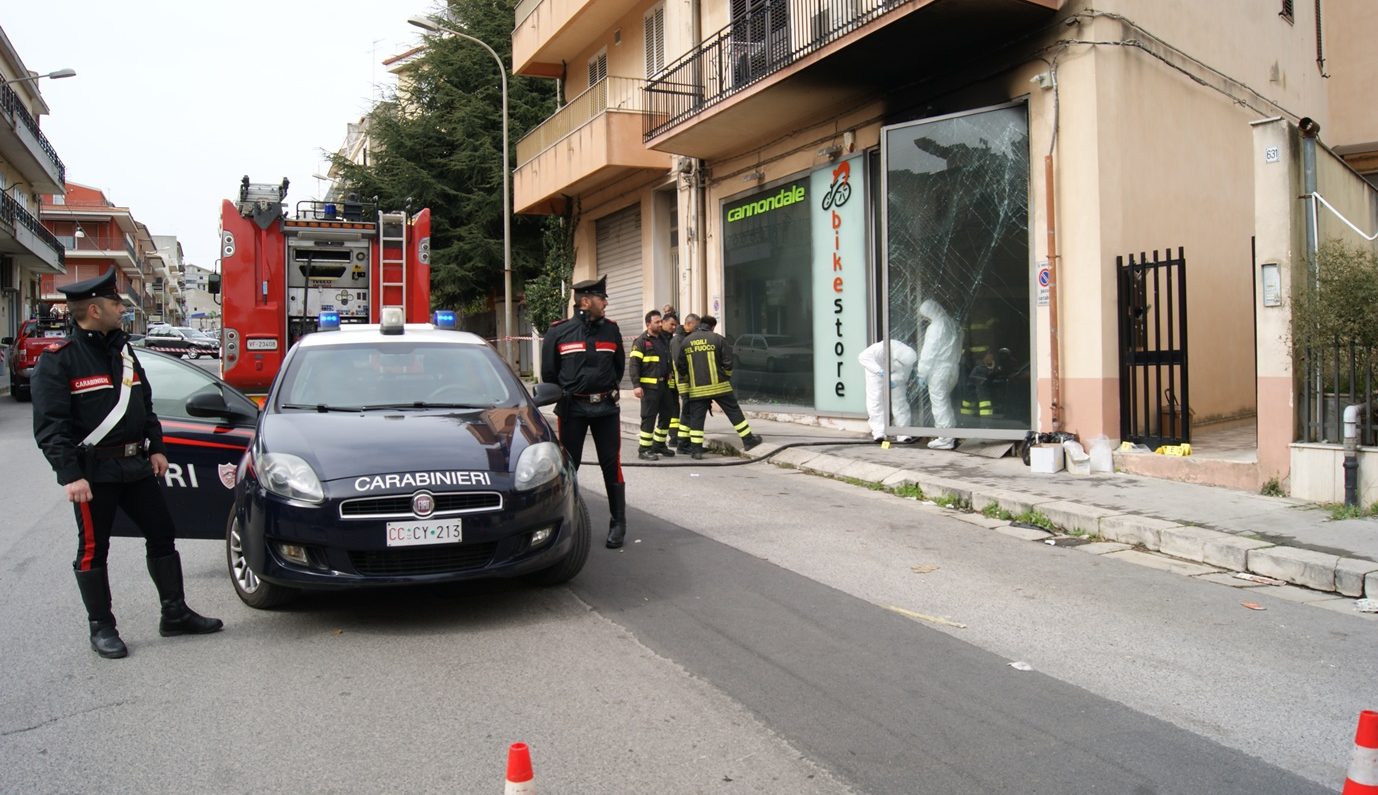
(174, 101)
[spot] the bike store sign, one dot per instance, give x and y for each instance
(838, 222)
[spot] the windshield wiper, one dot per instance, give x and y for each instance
(422, 404)
(321, 407)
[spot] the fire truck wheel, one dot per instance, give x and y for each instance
(572, 563)
(252, 591)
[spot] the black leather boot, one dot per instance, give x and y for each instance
(617, 505)
(696, 452)
(647, 454)
(751, 440)
(660, 449)
(178, 619)
(95, 594)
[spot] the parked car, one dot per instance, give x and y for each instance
(391, 455)
(22, 352)
(182, 341)
(772, 353)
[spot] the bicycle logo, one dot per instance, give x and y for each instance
(841, 189)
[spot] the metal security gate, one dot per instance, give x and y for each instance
(1155, 408)
(619, 258)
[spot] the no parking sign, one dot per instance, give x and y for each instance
(1045, 278)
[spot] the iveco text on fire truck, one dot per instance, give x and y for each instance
(278, 274)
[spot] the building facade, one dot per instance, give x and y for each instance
(168, 290)
(29, 167)
(203, 308)
(1065, 189)
(98, 235)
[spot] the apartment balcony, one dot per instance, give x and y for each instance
(550, 33)
(100, 246)
(787, 63)
(25, 147)
(589, 143)
(27, 241)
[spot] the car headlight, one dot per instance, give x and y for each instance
(539, 464)
(289, 476)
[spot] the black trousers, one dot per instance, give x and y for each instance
(658, 403)
(698, 414)
(607, 440)
(142, 500)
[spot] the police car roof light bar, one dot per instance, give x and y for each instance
(328, 321)
(444, 318)
(392, 320)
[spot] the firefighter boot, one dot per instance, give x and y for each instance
(178, 619)
(751, 440)
(95, 594)
(696, 452)
(647, 454)
(660, 449)
(617, 506)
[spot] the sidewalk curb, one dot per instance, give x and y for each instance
(1355, 577)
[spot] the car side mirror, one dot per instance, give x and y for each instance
(213, 284)
(213, 405)
(7, 341)
(547, 394)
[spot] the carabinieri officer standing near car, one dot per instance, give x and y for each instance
(583, 355)
(93, 419)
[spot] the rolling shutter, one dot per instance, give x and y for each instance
(619, 258)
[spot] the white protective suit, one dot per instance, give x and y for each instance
(901, 366)
(938, 361)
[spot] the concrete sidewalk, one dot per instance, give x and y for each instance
(1280, 538)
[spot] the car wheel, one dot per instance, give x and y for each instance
(252, 591)
(572, 563)
(20, 393)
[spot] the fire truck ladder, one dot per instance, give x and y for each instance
(392, 259)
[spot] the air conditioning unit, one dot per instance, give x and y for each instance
(9, 276)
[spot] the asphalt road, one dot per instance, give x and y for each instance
(740, 642)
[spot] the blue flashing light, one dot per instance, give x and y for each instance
(444, 318)
(328, 321)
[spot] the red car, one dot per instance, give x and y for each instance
(22, 352)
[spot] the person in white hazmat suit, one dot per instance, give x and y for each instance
(937, 367)
(901, 366)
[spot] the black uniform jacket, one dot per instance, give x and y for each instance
(648, 364)
(585, 357)
(74, 387)
(704, 364)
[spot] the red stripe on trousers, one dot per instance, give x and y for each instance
(88, 535)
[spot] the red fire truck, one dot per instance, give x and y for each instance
(279, 273)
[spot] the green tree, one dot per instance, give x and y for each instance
(547, 294)
(438, 143)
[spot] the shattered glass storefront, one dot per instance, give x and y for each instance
(957, 273)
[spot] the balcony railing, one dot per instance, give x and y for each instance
(772, 35)
(610, 93)
(93, 243)
(13, 213)
(524, 9)
(10, 104)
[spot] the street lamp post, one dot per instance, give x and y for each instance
(432, 26)
(57, 74)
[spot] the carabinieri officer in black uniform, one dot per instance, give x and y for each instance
(93, 419)
(584, 356)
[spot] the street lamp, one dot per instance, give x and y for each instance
(430, 25)
(55, 75)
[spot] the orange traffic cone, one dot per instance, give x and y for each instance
(520, 780)
(1363, 762)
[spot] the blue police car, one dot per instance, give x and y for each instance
(397, 453)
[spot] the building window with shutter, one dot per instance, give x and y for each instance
(1286, 12)
(654, 26)
(598, 67)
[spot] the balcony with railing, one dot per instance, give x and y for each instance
(103, 245)
(782, 63)
(23, 237)
(592, 141)
(550, 33)
(25, 146)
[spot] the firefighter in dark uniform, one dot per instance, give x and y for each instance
(691, 322)
(93, 419)
(704, 365)
(670, 331)
(648, 366)
(583, 355)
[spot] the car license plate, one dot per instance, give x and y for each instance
(415, 534)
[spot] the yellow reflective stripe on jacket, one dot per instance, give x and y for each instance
(649, 380)
(637, 354)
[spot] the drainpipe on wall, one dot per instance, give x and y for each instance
(1309, 130)
(1055, 368)
(700, 184)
